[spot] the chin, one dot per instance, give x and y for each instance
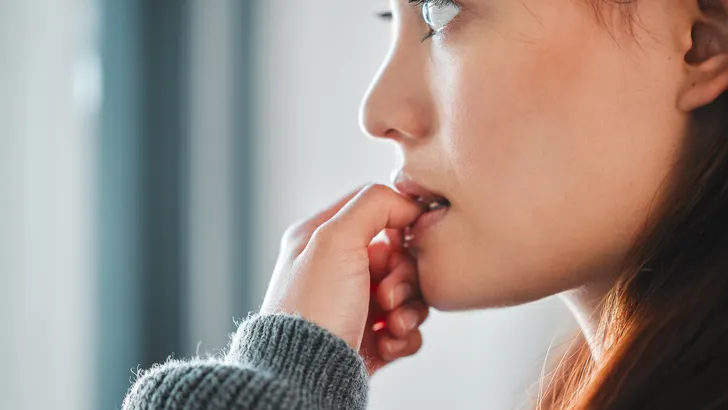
(451, 287)
(445, 290)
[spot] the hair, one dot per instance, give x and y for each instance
(664, 323)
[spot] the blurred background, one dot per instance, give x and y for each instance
(151, 155)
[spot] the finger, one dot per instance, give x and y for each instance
(297, 236)
(328, 213)
(400, 258)
(406, 319)
(375, 208)
(379, 254)
(395, 238)
(380, 250)
(392, 349)
(400, 285)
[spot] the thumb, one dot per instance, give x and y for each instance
(375, 208)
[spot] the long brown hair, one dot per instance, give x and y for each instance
(665, 321)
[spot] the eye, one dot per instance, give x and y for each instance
(438, 13)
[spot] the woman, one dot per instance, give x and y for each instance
(550, 147)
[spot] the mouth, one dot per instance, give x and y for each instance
(432, 203)
(434, 206)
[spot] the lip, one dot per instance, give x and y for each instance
(406, 185)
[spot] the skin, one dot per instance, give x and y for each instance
(552, 203)
(551, 134)
(543, 205)
(334, 271)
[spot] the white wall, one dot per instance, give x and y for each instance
(48, 92)
(315, 60)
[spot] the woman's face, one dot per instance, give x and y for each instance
(547, 131)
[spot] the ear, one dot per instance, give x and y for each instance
(707, 60)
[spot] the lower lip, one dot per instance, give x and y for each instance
(426, 222)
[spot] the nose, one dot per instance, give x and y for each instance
(398, 104)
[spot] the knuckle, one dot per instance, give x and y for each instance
(292, 233)
(325, 235)
(416, 342)
(424, 315)
(375, 191)
(295, 236)
(382, 347)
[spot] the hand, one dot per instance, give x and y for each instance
(396, 308)
(323, 271)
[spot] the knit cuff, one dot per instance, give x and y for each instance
(305, 355)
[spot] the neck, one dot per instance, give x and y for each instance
(585, 304)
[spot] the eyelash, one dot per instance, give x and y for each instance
(439, 3)
(419, 3)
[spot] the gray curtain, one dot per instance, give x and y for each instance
(142, 186)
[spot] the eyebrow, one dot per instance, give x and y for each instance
(385, 15)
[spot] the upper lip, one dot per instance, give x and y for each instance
(407, 186)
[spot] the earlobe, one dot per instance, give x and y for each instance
(707, 60)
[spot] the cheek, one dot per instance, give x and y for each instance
(557, 160)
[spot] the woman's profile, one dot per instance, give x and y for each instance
(570, 147)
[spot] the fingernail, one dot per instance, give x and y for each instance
(395, 346)
(400, 293)
(408, 319)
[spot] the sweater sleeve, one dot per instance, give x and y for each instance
(274, 362)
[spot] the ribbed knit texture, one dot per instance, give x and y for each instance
(274, 362)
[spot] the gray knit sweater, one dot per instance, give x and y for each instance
(274, 362)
